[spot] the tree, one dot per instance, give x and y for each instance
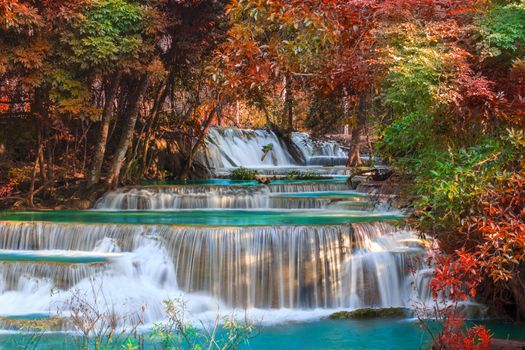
(105, 42)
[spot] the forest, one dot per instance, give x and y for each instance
(100, 94)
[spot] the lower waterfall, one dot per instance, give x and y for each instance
(253, 268)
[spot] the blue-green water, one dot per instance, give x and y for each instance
(201, 217)
(322, 335)
(228, 182)
(324, 194)
(52, 257)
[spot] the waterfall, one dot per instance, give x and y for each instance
(212, 197)
(229, 197)
(308, 187)
(296, 267)
(315, 152)
(229, 147)
(303, 254)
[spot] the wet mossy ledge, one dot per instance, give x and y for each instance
(369, 313)
(38, 323)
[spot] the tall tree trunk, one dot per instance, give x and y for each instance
(157, 106)
(354, 154)
(288, 104)
(39, 155)
(41, 160)
(237, 113)
(40, 107)
(127, 133)
(100, 149)
(50, 149)
(193, 151)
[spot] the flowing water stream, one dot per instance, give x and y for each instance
(290, 250)
(228, 148)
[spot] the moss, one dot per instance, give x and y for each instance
(34, 324)
(366, 313)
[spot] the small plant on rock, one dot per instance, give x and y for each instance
(243, 174)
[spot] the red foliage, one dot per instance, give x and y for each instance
(453, 336)
(500, 231)
(501, 228)
(456, 278)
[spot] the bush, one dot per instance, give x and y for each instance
(243, 174)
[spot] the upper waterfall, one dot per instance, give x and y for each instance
(230, 147)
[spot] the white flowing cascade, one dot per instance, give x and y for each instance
(255, 268)
(229, 197)
(319, 152)
(230, 147)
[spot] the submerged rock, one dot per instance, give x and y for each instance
(366, 313)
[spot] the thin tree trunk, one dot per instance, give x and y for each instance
(237, 113)
(127, 133)
(100, 149)
(288, 104)
(354, 154)
(40, 108)
(33, 175)
(151, 122)
(41, 161)
(189, 162)
(50, 149)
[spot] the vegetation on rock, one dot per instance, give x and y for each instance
(243, 174)
(367, 313)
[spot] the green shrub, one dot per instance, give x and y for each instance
(266, 149)
(243, 174)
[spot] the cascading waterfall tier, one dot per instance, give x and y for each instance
(186, 197)
(230, 147)
(223, 197)
(315, 152)
(299, 267)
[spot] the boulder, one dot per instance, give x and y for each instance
(368, 313)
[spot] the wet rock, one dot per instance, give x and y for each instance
(79, 204)
(40, 324)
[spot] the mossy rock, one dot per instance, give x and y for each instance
(367, 313)
(34, 324)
